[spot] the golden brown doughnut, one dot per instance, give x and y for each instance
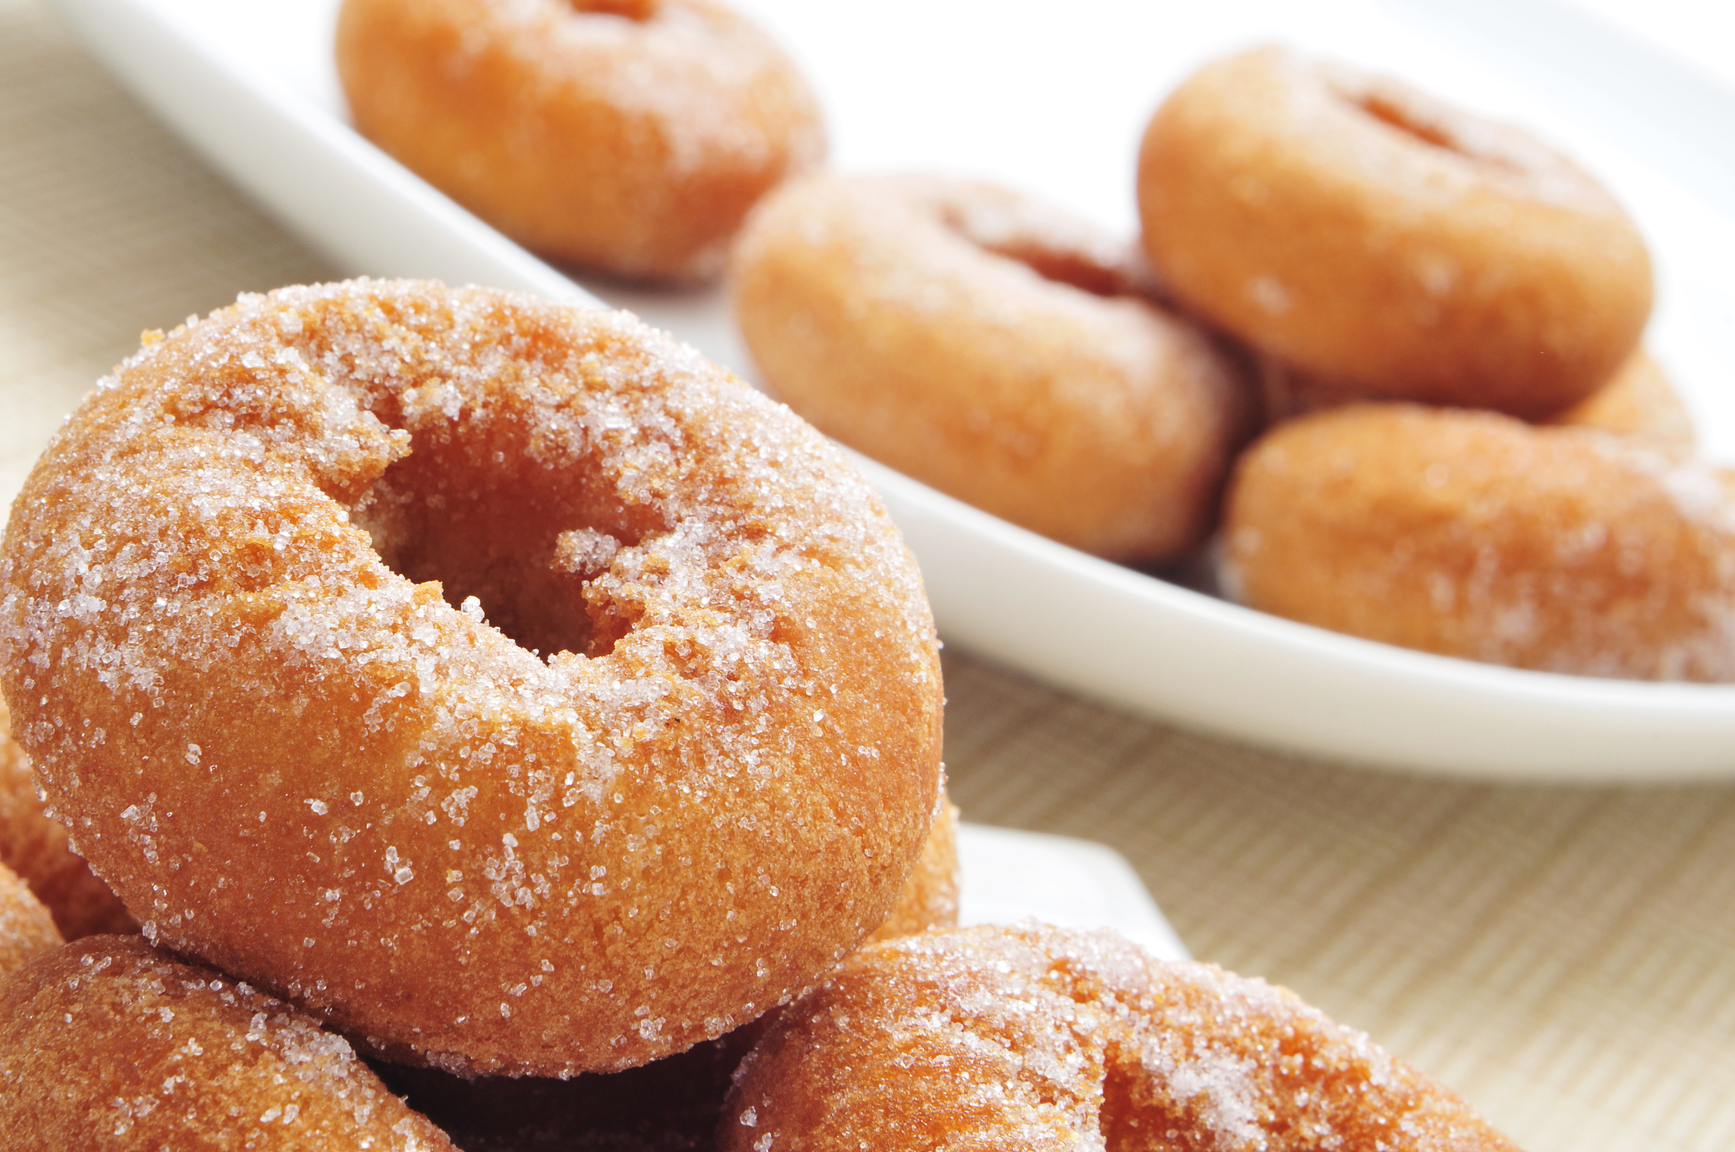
(305, 759)
(1640, 404)
(108, 1044)
(1376, 238)
(1038, 1038)
(39, 848)
(994, 348)
(930, 895)
(1637, 403)
(629, 136)
(26, 927)
(1472, 534)
(669, 1105)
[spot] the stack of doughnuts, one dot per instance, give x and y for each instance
(484, 686)
(1423, 287)
(1318, 240)
(496, 682)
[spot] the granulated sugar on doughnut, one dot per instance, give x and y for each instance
(1472, 534)
(39, 848)
(1384, 243)
(630, 136)
(995, 348)
(670, 1105)
(107, 1045)
(498, 680)
(1039, 1038)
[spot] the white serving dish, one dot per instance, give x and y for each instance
(1054, 104)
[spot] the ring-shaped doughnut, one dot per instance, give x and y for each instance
(39, 848)
(344, 784)
(110, 1045)
(1375, 238)
(1472, 534)
(1038, 1038)
(995, 348)
(26, 927)
(629, 136)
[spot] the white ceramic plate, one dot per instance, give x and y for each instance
(1054, 103)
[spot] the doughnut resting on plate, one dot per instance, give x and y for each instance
(495, 679)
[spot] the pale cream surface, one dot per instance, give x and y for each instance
(1562, 956)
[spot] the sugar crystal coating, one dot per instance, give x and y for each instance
(109, 1044)
(1475, 535)
(1039, 1038)
(255, 595)
(40, 849)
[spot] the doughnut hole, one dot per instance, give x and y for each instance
(1073, 256)
(1405, 119)
(638, 11)
(481, 516)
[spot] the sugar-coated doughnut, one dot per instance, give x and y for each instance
(39, 848)
(994, 348)
(26, 927)
(273, 600)
(1639, 404)
(669, 1105)
(629, 136)
(108, 1044)
(1472, 534)
(930, 895)
(1039, 1038)
(1376, 238)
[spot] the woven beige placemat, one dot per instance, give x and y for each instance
(1565, 956)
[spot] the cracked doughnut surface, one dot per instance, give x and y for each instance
(497, 680)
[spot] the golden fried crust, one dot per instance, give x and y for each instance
(1038, 1038)
(1639, 404)
(26, 928)
(994, 348)
(351, 788)
(1368, 235)
(930, 895)
(1474, 535)
(628, 137)
(109, 1044)
(39, 848)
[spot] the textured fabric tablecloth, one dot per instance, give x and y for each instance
(1564, 956)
